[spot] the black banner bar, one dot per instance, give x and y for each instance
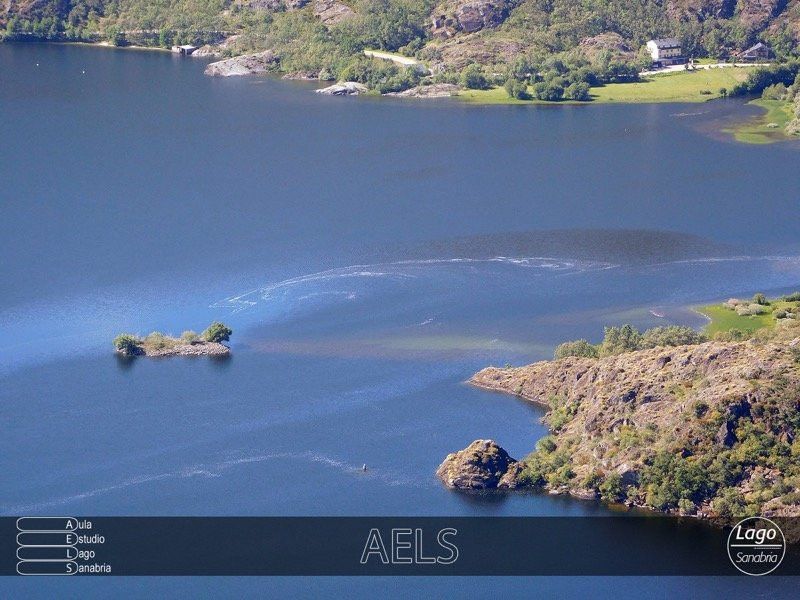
(431, 546)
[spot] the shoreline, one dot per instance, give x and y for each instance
(691, 88)
(103, 44)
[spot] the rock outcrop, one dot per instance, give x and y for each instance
(247, 64)
(347, 88)
(593, 46)
(469, 17)
(481, 465)
(331, 12)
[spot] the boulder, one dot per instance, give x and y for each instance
(481, 465)
(247, 64)
(347, 88)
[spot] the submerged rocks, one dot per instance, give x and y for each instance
(481, 465)
(347, 88)
(436, 90)
(247, 64)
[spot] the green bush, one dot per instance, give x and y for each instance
(546, 445)
(729, 503)
(577, 91)
(620, 339)
(217, 332)
(612, 490)
(551, 91)
(580, 348)
(774, 92)
(760, 299)
(157, 340)
(516, 89)
(189, 337)
(672, 335)
(670, 478)
(791, 498)
(127, 343)
(472, 78)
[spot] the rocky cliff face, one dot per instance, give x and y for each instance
(469, 16)
(331, 12)
(708, 429)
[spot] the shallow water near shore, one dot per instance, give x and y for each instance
(370, 256)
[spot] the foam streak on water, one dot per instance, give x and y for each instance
(399, 270)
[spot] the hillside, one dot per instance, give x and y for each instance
(324, 38)
(706, 429)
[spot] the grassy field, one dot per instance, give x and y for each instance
(767, 128)
(724, 319)
(683, 86)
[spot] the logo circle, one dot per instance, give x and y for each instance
(756, 546)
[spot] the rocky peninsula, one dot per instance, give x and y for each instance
(704, 429)
(156, 344)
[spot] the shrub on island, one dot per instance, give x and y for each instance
(158, 341)
(128, 344)
(190, 337)
(217, 332)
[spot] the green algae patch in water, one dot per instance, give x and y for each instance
(767, 128)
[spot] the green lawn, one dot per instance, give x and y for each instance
(683, 86)
(497, 95)
(724, 319)
(767, 128)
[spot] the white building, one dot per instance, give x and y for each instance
(185, 50)
(666, 52)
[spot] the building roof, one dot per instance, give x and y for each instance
(755, 48)
(667, 43)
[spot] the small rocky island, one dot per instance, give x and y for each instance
(682, 425)
(208, 343)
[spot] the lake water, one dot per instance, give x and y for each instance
(369, 254)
